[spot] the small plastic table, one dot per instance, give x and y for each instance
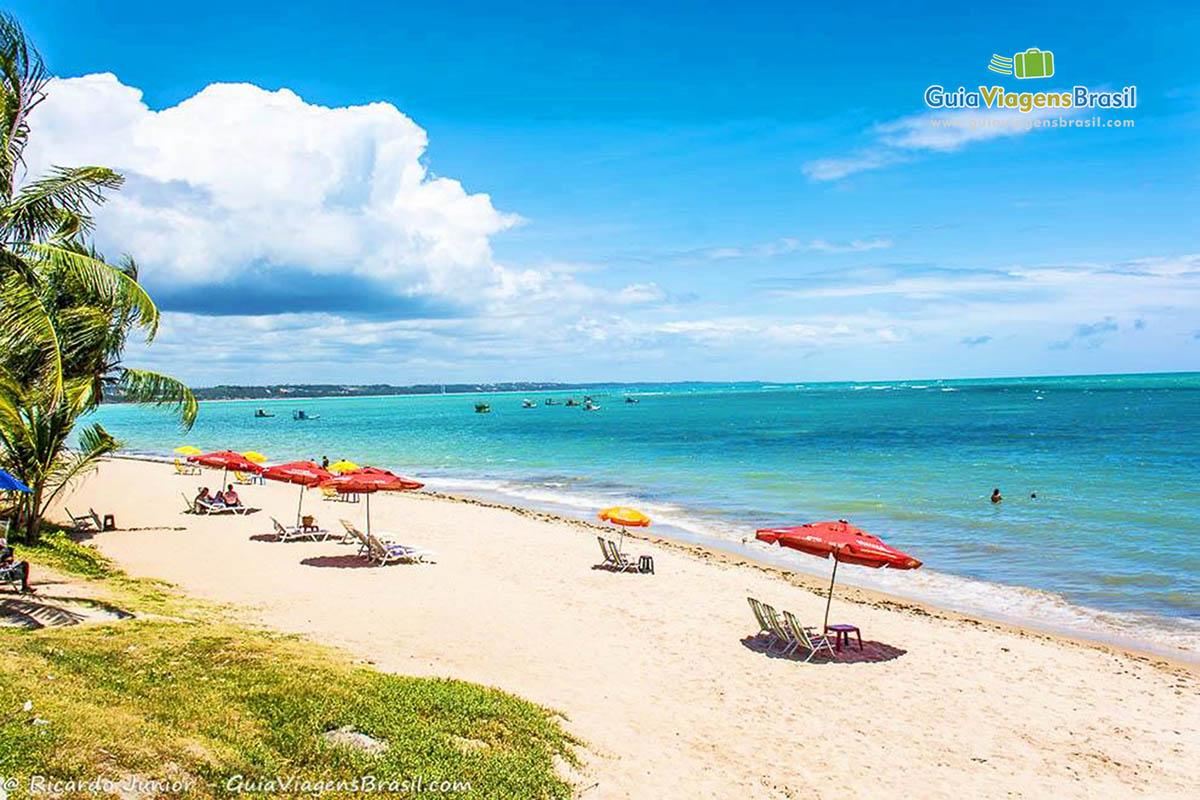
(842, 632)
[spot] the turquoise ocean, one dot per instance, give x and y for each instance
(1109, 548)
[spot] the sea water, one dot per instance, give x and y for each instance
(1108, 548)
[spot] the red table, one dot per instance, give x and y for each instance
(843, 634)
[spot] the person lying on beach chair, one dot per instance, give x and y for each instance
(13, 571)
(207, 504)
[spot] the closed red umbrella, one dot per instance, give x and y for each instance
(305, 473)
(843, 542)
(369, 480)
(227, 460)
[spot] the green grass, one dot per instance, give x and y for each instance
(55, 549)
(204, 699)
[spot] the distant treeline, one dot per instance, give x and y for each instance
(339, 390)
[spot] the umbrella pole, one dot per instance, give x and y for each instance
(830, 600)
(299, 505)
(368, 513)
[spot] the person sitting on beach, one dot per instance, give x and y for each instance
(996, 496)
(231, 497)
(9, 565)
(203, 496)
(219, 500)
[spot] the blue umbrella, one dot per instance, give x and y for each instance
(10, 484)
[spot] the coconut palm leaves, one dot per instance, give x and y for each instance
(65, 312)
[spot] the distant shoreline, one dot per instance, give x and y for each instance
(309, 391)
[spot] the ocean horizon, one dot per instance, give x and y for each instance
(1096, 536)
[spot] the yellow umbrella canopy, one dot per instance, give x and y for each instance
(188, 450)
(624, 515)
(342, 466)
(255, 456)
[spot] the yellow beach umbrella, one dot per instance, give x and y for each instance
(343, 466)
(626, 517)
(188, 450)
(255, 456)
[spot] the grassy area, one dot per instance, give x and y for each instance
(204, 700)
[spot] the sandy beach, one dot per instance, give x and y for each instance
(656, 674)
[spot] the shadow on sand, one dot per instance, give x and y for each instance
(38, 611)
(871, 652)
(346, 561)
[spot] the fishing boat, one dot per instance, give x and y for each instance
(529, 404)
(482, 408)
(550, 401)
(303, 416)
(571, 401)
(591, 405)
(631, 399)
(261, 414)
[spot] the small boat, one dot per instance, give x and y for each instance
(550, 401)
(529, 404)
(482, 408)
(571, 401)
(631, 400)
(261, 414)
(591, 405)
(303, 415)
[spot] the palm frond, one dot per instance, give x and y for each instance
(112, 284)
(153, 388)
(23, 76)
(25, 324)
(57, 206)
(94, 444)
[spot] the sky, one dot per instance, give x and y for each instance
(415, 192)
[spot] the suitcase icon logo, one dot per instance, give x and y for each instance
(1033, 63)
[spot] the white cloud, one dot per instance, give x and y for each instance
(902, 139)
(237, 177)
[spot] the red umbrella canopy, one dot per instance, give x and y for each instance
(227, 459)
(370, 479)
(843, 541)
(305, 473)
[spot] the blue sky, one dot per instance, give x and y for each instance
(564, 191)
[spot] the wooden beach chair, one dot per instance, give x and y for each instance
(620, 562)
(609, 562)
(807, 639)
(782, 636)
(764, 627)
(87, 524)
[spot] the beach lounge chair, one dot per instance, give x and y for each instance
(783, 636)
(291, 533)
(620, 562)
(11, 575)
(764, 627)
(807, 639)
(382, 553)
(243, 479)
(364, 545)
(186, 469)
(87, 524)
(331, 493)
(609, 562)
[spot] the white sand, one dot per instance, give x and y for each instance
(651, 671)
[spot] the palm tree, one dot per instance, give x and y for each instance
(65, 312)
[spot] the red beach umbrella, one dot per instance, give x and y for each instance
(227, 460)
(305, 473)
(843, 542)
(369, 480)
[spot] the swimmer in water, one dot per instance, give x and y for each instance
(996, 496)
